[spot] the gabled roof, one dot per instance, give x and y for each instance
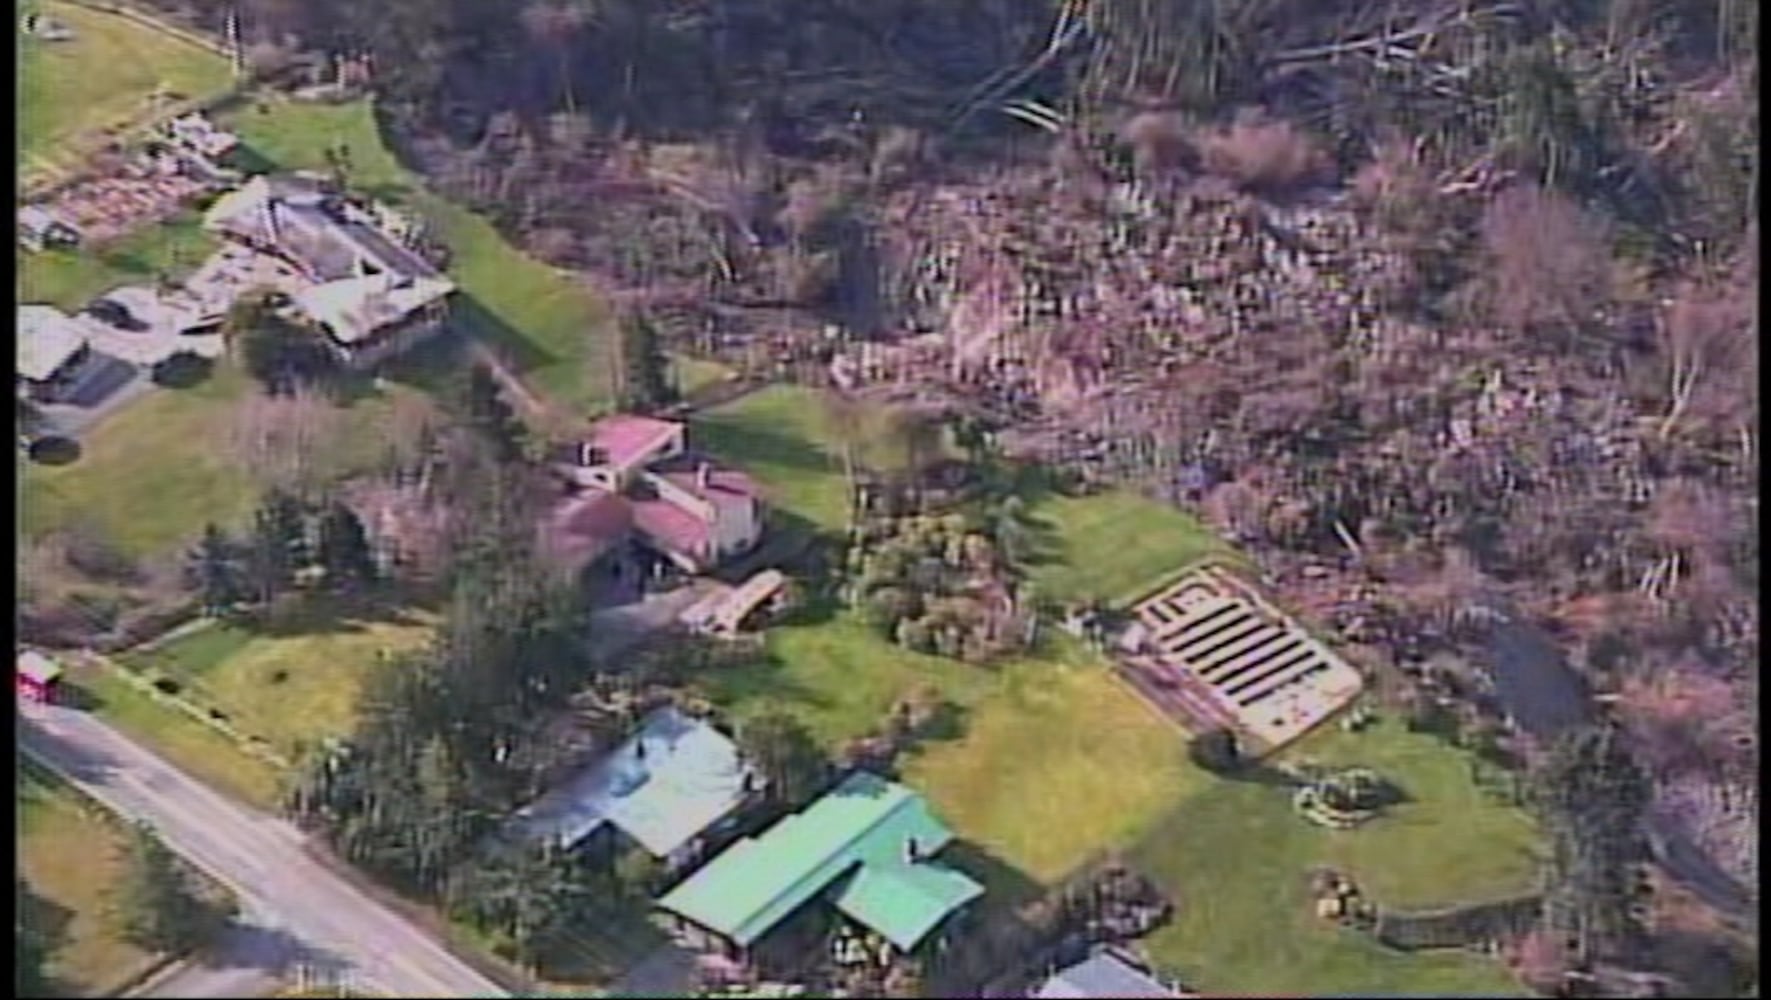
(626, 438)
(687, 777)
(671, 528)
(1105, 974)
(864, 830)
(904, 902)
(47, 338)
(355, 308)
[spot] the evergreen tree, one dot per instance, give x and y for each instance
(344, 547)
(34, 945)
(785, 755)
(644, 367)
(160, 909)
(214, 570)
(1215, 750)
(1591, 795)
(279, 544)
(481, 404)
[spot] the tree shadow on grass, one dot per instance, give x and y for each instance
(472, 319)
(329, 614)
(744, 442)
(78, 697)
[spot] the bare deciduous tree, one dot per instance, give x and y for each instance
(1549, 263)
(291, 442)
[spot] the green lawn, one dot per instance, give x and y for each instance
(839, 678)
(297, 688)
(1057, 763)
(103, 78)
(779, 436)
(152, 473)
(70, 852)
(69, 278)
(1237, 859)
(198, 750)
(557, 331)
(1112, 546)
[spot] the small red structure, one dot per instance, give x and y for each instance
(38, 677)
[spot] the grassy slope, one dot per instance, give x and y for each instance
(152, 473)
(1238, 858)
(778, 436)
(1112, 545)
(322, 662)
(554, 327)
(198, 750)
(100, 79)
(71, 855)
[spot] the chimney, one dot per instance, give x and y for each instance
(702, 472)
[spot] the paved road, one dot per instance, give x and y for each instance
(322, 921)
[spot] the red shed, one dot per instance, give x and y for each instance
(37, 676)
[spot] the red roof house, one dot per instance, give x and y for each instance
(38, 676)
(634, 473)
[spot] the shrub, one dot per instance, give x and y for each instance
(1216, 750)
(167, 685)
(1264, 155)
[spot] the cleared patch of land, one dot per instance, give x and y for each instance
(103, 78)
(779, 436)
(556, 331)
(71, 853)
(297, 686)
(1057, 764)
(1111, 545)
(1237, 858)
(150, 475)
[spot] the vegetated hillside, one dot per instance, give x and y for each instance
(1455, 299)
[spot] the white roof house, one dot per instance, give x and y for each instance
(1107, 974)
(354, 308)
(671, 781)
(47, 339)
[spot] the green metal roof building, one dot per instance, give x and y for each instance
(866, 844)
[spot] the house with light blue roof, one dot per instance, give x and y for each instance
(672, 785)
(865, 850)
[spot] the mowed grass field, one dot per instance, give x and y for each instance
(103, 78)
(1237, 858)
(299, 685)
(71, 854)
(150, 475)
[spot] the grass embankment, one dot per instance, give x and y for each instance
(72, 854)
(298, 685)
